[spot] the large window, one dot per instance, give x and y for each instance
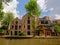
(28, 21)
(16, 27)
(16, 22)
(15, 32)
(28, 27)
(42, 22)
(11, 32)
(19, 27)
(12, 27)
(28, 32)
(46, 22)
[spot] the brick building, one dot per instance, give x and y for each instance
(46, 24)
(15, 27)
(25, 24)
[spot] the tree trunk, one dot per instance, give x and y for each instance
(9, 26)
(35, 28)
(34, 33)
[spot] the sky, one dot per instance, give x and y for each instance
(49, 8)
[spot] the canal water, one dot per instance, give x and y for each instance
(4, 41)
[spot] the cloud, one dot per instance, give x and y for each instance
(50, 7)
(55, 13)
(42, 4)
(11, 7)
(56, 16)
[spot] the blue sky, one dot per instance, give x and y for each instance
(21, 8)
(22, 11)
(49, 8)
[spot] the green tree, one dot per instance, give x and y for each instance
(33, 10)
(1, 8)
(5, 1)
(7, 19)
(34, 25)
(1, 12)
(57, 29)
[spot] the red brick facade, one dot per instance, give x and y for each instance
(23, 24)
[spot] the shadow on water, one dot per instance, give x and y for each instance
(18, 38)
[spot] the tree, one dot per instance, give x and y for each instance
(34, 25)
(5, 1)
(1, 12)
(57, 29)
(33, 10)
(7, 19)
(1, 8)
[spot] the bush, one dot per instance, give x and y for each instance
(21, 33)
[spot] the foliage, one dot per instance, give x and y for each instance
(32, 8)
(1, 15)
(57, 28)
(1, 12)
(8, 0)
(34, 24)
(1, 7)
(7, 19)
(22, 33)
(2, 32)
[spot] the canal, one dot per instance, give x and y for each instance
(4, 41)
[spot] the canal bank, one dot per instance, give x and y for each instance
(4, 41)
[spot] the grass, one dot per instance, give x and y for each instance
(4, 41)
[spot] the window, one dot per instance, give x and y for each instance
(28, 27)
(28, 21)
(46, 22)
(42, 22)
(16, 22)
(15, 32)
(11, 32)
(16, 27)
(12, 26)
(19, 27)
(28, 32)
